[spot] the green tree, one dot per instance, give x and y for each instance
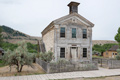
(19, 57)
(10, 46)
(117, 37)
(1, 39)
(47, 56)
(32, 48)
(102, 48)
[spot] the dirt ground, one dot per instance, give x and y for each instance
(99, 78)
(27, 70)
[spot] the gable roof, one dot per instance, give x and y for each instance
(114, 48)
(64, 18)
(74, 14)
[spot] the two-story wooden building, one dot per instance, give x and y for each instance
(69, 37)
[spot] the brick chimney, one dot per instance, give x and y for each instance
(73, 7)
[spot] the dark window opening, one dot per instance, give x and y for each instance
(73, 32)
(113, 53)
(84, 33)
(62, 32)
(84, 52)
(74, 8)
(62, 52)
(2, 54)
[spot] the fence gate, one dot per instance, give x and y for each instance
(102, 62)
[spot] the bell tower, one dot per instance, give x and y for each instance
(73, 7)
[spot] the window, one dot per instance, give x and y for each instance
(106, 53)
(62, 52)
(113, 53)
(73, 32)
(84, 33)
(62, 32)
(74, 8)
(84, 52)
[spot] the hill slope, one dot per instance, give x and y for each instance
(14, 36)
(102, 42)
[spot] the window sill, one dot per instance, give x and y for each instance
(62, 38)
(73, 38)
(84, 38)
(62, 58)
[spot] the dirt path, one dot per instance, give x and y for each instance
(27, 70)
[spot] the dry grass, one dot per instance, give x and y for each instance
(5, 71)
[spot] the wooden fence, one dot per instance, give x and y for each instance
(108, 63)
(66, 66)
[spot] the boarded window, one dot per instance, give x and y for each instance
(62, 32)
(73, 32)
(84, 33)
(84, 52)
(62, 52)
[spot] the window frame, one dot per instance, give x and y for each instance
(75, 33)
(61, 34)
(61, 56)
(84, 56)
(84, 34)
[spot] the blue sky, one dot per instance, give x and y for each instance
(32, 16)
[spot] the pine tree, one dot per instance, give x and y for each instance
(19, 57)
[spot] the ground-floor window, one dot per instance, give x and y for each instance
(84, 52)
(62, 52)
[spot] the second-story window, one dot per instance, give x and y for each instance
(62, 32)
(84, 33)
(73, 32)
(84, 52)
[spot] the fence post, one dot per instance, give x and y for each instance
(48, 68)
(101, 62)
(111, 63)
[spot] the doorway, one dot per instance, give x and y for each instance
(74, 53)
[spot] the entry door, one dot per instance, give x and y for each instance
(74, 53)
(112, 55)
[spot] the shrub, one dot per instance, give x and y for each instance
(96, 53)
(118, 55)
(47, 56)
(19, 57)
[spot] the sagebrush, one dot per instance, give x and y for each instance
(19, 57)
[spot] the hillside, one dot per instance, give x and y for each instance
(102, 42)
(14, 36)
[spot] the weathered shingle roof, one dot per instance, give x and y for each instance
(114, 48)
